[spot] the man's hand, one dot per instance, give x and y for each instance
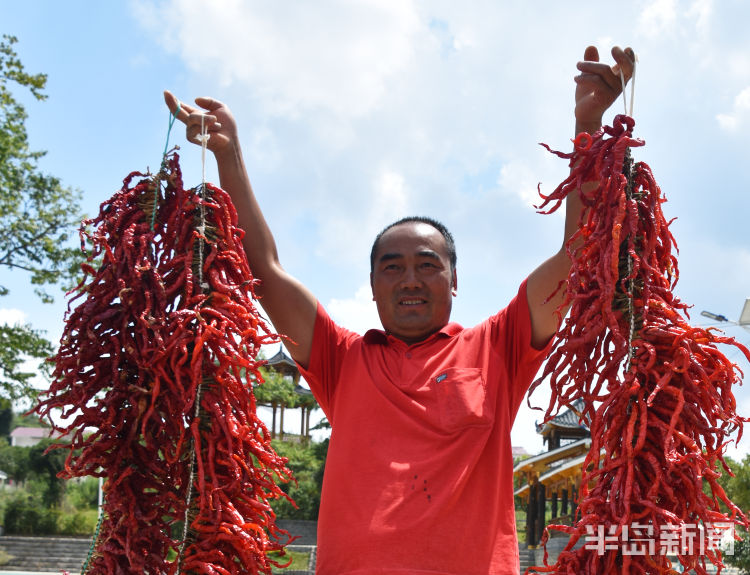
(216, 117)
(598, 85)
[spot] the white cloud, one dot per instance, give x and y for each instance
(331, 56)
(519, 180)
(657, 18)
(740, 113)
(358, 313)
(702, 11)
(350, 225)
(689, 21)
(10, 316)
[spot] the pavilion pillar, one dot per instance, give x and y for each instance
(553, 503)
(531, 516)
(541, 507)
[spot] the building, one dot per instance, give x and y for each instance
(28, 436)
(549, 483)
(302, 398)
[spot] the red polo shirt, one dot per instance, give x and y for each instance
(419, 475)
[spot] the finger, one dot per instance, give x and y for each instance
(198, 121)
(208, 103)
(183, 110)
(595, 83)
(601, 71)
(591, 54)
(624, 60)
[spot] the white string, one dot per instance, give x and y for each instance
(203, 138)
(631, 286)
(624, 97)
(628, 112)
(632, 86)
(631, 313)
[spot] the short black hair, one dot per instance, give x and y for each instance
(449, 243)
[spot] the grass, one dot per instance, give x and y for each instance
(300, 561)
(5, 558)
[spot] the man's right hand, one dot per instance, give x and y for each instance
(216, 117)
(290, 306)
(598, 85)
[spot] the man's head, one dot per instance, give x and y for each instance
(413, 277)
(449, 243)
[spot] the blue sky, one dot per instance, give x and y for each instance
(353, 114)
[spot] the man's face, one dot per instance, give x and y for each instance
(412, 281)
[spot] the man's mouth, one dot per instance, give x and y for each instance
(412, 301)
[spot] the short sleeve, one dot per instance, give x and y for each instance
(511, 337)
(330, 345)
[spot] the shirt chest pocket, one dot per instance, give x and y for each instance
(462, 398)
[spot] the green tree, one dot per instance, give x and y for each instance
(47, 464)
(306, 460)
(277, 392)
(37, 215)
(738, 490)
(6, 417)
(14, 461)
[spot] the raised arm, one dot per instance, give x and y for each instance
(290, 306)
(597, 86)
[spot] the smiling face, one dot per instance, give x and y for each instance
(412, 281)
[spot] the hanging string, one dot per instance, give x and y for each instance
(629, 193)
(94, 541)
(632, 86)
(204, 137)
(172, 118)
(201, 229)
(628, 111)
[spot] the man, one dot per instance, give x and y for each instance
(419, 471)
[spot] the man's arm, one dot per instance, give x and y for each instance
(597, 87)
(290, 306)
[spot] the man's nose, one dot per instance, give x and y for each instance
(411, 278)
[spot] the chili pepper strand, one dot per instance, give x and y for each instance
(656, 391)
(129, 369)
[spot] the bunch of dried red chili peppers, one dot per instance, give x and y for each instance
(657, 392)
(154, 374)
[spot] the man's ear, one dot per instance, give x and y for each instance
(372, 288)
(454, 286)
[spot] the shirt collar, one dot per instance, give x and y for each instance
(379, 336)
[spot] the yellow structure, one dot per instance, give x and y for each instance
(551, 480)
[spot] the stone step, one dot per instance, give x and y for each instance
(44, 554)
(54, 554)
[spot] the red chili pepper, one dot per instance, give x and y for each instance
(166, 321)
(656, 391)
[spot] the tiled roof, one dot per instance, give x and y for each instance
(280, 358)
(567, 419)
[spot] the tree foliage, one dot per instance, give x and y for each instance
(307, 462)
(37, 216)
(275, 389)
(737, 488)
